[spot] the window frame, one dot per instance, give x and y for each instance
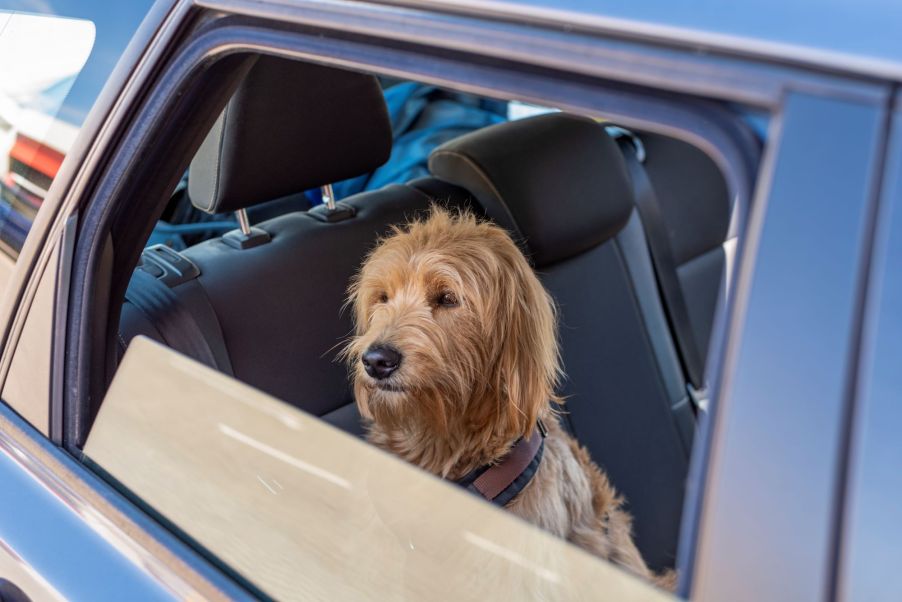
(870, 415)
(703, 124)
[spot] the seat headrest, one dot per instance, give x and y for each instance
(290, 126)
(557, 181)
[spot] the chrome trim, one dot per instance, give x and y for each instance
(243, 223)
(328, 196)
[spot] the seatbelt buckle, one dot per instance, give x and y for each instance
(699, 397)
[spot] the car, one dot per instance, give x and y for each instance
(711, 198)
(31, 165)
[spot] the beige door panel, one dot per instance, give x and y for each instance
(305, 511)
(26, 387)
(7, 264)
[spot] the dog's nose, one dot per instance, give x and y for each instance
(381, 361)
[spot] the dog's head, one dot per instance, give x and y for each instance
(453, 331)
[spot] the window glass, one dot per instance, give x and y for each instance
(40, 58)
(303, 511)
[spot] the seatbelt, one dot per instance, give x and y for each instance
(177, 319)
(659, 246)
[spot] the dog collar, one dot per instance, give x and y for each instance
(502, 481)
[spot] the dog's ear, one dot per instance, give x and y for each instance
(529, 361)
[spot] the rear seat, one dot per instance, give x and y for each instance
(274, 313)
(560, 184)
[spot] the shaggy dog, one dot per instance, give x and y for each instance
(455, 359)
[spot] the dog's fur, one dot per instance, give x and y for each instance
(480, 367)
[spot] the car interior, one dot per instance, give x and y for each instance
(260, 296)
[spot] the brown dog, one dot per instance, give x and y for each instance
(455, 363)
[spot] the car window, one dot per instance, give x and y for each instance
(304, 511)
(40, 58)
(249, 274)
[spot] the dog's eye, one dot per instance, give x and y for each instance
(382, 297)
(446, 299)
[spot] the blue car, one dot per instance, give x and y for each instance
(711, 196)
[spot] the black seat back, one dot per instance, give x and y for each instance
(695, 202)
(279, 301)
(559, 181)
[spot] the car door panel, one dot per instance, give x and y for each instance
(54, 545)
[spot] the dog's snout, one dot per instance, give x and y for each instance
(380, 361)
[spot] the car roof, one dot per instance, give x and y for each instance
(857, 36)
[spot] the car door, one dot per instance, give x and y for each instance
(809, 237)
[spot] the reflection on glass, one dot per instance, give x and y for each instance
(304, 511)
(40, 57)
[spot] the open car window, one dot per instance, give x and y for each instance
(305, 511)
(272, 489)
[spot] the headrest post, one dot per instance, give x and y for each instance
(245, 237)
(243, 222)
(328, 196)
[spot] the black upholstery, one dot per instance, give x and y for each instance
(696, 205)
(615, 398)
(541, 179)
(290, 126)
(616, 402)
(280, 304)
(692, 193)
